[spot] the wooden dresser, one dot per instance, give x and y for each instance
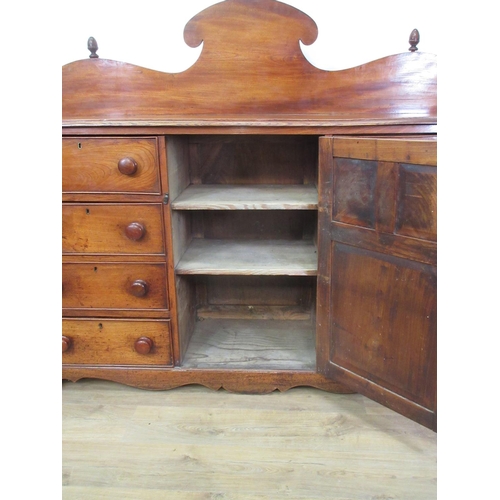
(253, 223)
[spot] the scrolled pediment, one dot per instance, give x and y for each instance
(251, 68)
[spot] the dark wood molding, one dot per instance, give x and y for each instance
(250, 382)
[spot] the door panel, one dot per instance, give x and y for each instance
(376, 318)
(354, 195)
(417, 202)
(388, 339)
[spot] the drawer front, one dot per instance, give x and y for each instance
(114, 286)
(111, 165)
(112, 229)
(116, 342)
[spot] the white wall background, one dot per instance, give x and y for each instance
(150, 33)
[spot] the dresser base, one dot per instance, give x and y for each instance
(241, 381)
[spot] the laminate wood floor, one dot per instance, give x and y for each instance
(193, 443)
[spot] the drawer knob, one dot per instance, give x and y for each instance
(139, 288)
(127, 166)
(143, 345)
(66, 343)
(135, 231)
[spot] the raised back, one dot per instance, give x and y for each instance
(251, 70)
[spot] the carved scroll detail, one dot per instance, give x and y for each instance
(251, 69)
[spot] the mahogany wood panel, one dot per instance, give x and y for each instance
(417, 202)
(106, 342)
(92, 165)
(385, 194)
(388, 196)
(377, 284)
(418, 150)
(383, 321)
(111, 286)
(112, 229)
(251, 64)
(354, 192)
(399, 246)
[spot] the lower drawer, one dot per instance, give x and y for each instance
(116, 342)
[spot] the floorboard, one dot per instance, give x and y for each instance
(195, 443)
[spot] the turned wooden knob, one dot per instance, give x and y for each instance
(143, 345)
(127, 166)
(66, 343)
(139, 288)
(135, 231)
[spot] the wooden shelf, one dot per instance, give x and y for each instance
(255, 197)
(242, 257)
(252, 344)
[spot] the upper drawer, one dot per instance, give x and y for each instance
(127, 228)
(110, 165)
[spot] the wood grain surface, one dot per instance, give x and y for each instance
(107, 341)
(252, 344)
(251, 65)
(91, 165)
(224, 197)
(192, 443)
(280, 257)
(375, 223)
(102, 229)
(377, 278)
(109, 286)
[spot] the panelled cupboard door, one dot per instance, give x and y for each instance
(377, 274)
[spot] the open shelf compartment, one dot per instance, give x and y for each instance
(252, 345)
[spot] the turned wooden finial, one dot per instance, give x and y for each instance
(414, 40)
(92, 46)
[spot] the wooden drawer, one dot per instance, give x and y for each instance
(114, 286)
(111, 165)
(116, 342)
(112, 229)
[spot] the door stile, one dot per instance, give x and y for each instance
(325, 186)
